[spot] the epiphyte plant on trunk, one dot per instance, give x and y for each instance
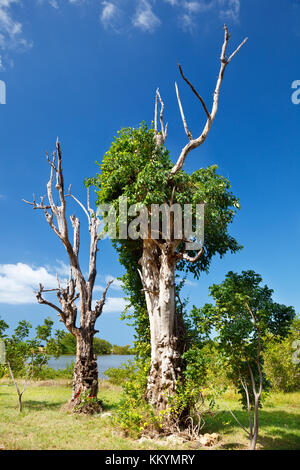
(138, 166)
(77, 290)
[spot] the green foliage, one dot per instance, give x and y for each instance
(85, 401)
(62, 343)
(133, 412)
(135, 168)
(282, 373)
(48, 373)
(3, 326)
(25, 355)
(43, 332)
(244, 314)
(101, 346)
(122, 350)
(118, 375)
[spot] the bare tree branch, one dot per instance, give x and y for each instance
(101, 302)
(85, 370)
(194, 91)
(162, 135)
(188, 133)
(230, 411)
(79, 203)
(190, 259)
(194, 143)
(41, 300)
(155, 112)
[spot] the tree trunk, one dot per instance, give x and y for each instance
(20, 402)
(86, 368)
(85, 378)
(253, 439)
(158, 274)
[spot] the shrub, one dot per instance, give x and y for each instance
(283, 375)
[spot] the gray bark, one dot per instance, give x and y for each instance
(159, 259)
(85, 370)
(158, 276)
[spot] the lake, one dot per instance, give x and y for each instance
(104, 362)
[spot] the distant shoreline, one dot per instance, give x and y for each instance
(66, 355)
(98, 355)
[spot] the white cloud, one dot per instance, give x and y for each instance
(145, 19)
(116, 15)
(11, 35)
(187, 282)
(196, 7)
(114, 305)
(230, 10)
(191, 9)
(62, 269)
(227, 10)
(98, 288)
(54, 3)
(108, 12)
(116, 284)
(110, 16)
(18, 282)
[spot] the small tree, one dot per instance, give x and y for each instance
(244, 315)
(77, 288)
(24, 357)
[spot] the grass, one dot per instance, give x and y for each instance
(279, 423)
(42, 425)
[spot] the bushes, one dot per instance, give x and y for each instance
(118, 375)
(283, 375)
(46, 373)
(135, 416)
(281, 371)
(133, 413)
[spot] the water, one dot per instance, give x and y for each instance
(104, 362)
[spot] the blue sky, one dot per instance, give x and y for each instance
(81, 70)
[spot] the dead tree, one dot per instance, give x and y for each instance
(78, 291)
(159, 259)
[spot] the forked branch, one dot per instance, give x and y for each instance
(194, 143)
(162, 135)
(57, 219)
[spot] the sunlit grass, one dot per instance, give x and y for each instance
(42, 425)
(279, 422)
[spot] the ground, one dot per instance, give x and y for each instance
(42, 425)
